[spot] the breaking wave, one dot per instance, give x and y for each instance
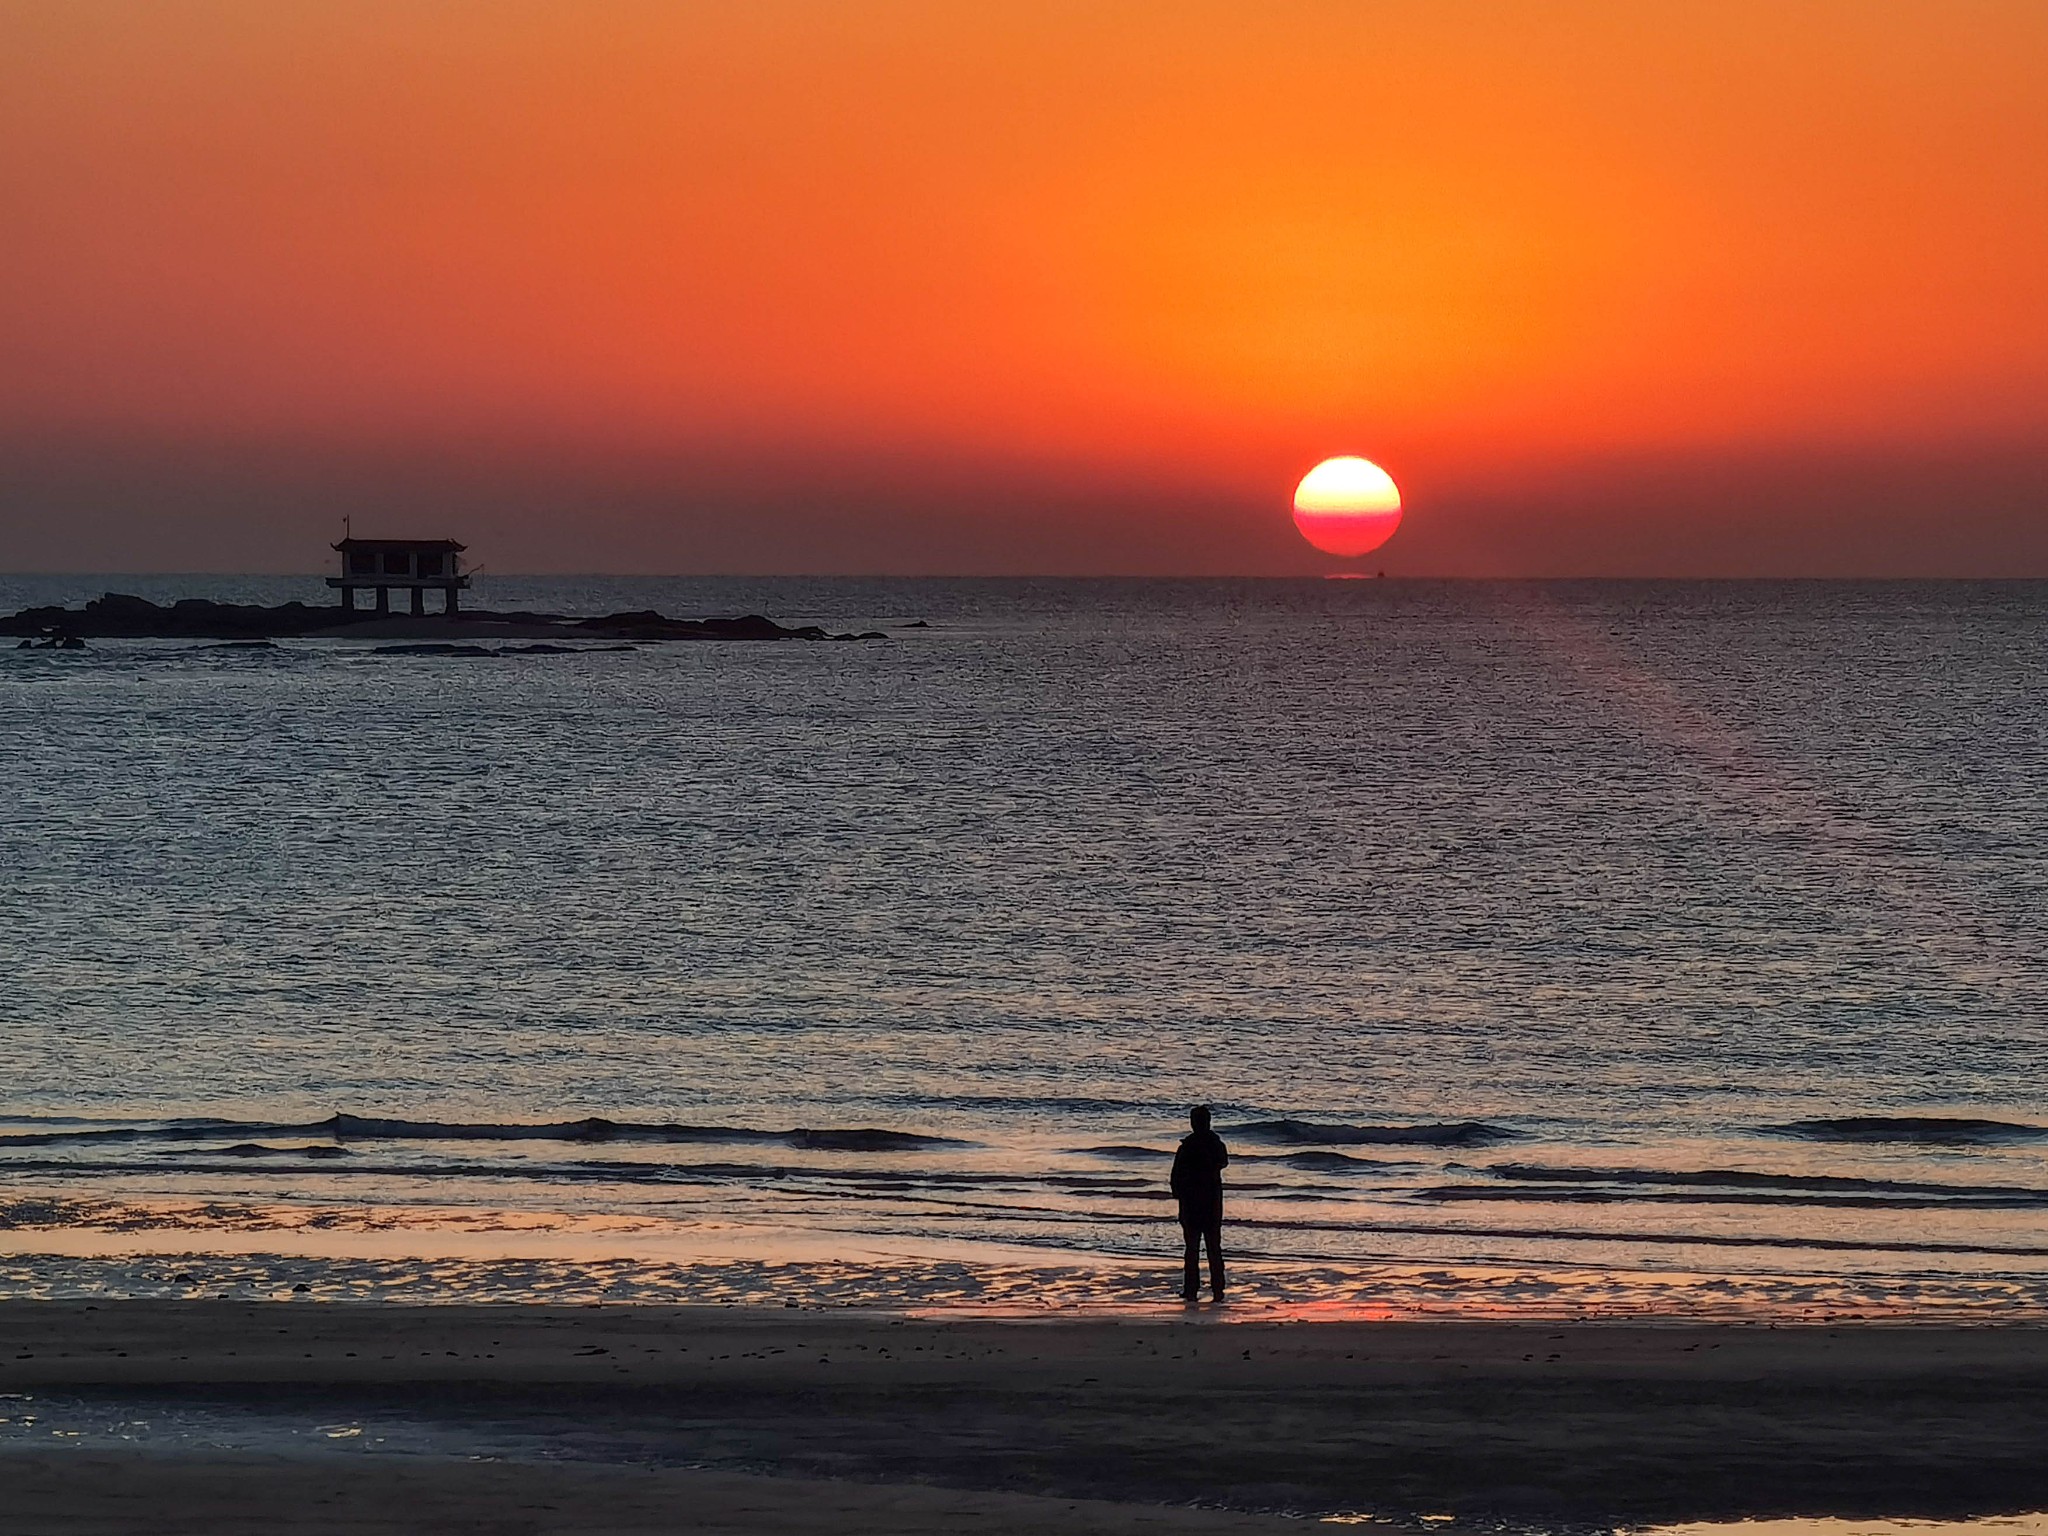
(345, 1128)
(1305, 1133)
(1924, 1130)
(1125, 1154)
(1331, 1162)
(1730, 1186)
(199, 1161)
(1740, 1178)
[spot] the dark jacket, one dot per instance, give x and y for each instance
(1198, 1178)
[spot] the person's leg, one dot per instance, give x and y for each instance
(1215, 1239)
(1191, 1279)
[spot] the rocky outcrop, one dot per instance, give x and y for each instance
(649, 625)
(118, 615)
(121, 616)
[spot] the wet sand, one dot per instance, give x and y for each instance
(941, 1425)
(89, 1494)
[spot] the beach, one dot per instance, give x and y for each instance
(727, 729)
(733, 1086)
(229, 1496)
(756, 1419)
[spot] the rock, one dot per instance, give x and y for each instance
(544, 648)
(124, 603)
(648, 625)
(755, 626)
(436, 648)
(122, 615)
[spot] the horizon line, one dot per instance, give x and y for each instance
(1017, 576)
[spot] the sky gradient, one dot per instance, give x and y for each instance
(880, 286)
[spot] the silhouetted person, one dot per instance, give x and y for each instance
(1198, 1186)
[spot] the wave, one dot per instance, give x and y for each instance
(257, 1149)
(1732, 1186)
(1124, 1154)
(1592, 1195)
(166, 1130)
(343, 1128)
(1926, 1130)
(1742, 1178)
(1455, 1133)
(1334, 1162)
(1037, 1102)
(598, 1129)
(206, 1161)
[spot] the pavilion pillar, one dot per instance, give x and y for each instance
(419, 602)
(348, 599)
(454, 603)
(383, 599)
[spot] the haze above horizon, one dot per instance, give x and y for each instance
(880, 286)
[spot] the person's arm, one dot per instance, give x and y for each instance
(1178, 1182)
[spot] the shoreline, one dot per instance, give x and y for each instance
(206, 1238)
(957, 1280)
(1613, 1422)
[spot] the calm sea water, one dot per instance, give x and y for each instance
(1562, 947)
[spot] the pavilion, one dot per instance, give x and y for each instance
(414, 565)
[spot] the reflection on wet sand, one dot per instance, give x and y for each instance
(1538, 1426)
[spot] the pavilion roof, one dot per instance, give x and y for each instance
(444, 546)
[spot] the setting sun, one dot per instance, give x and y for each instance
(1347, 506)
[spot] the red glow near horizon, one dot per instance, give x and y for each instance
(700, 276)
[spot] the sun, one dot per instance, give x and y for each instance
(1347, 506)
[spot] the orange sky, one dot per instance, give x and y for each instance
(882, 285)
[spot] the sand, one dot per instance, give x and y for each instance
(90, 1494)
(874, 1423)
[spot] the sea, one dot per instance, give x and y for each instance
(1552, 949)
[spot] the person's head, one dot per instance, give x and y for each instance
(1199, 1117)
